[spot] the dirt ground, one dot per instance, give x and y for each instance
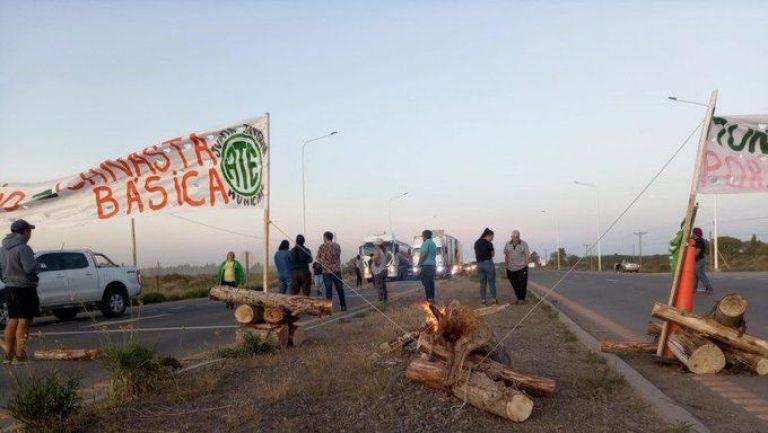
(330, 384)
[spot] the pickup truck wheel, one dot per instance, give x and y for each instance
(114, 302)
(66, 314)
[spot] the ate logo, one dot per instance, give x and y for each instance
(241, 160)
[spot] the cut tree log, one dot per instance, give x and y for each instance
(461, 331)
(712, 329)
(755, 363)
(276, 335)
(493, 309)
(478, 390)
(396, 346)
(608, 346)
(296, 335)
(697, 354)
(530, 383)
(277, 315)
(729, 310)
(654, 329)
(247, 314)
(297, 305)
(65, 354)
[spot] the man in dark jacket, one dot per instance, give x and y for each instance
(18, 270)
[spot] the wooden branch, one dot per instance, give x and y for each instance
(697, 354)
(755, 363)
(246, 314)
(654, 328)
(532, 384)
(276, 335)
(712, 329)
(493, 309)
(609, 346)
(297, 305)
(65, 354)
(396, 345)
(478, 390)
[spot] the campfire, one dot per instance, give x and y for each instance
(461, 354)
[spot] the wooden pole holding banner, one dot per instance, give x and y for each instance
(247, 266)
(265, 269)
(687, 225)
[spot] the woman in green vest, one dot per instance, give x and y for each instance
(231, 274)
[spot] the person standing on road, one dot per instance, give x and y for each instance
(701, 262)
(329, 256)
(301, 257)
(283, 263)
(379, 269)
(427, 264)
(230, 274)
(18, 270)
(317, 272)
(516, 258)
(358, 271)
(486, 270)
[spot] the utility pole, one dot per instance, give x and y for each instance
(640, 246)
(133, 241)
(586, 254)
(247, 266)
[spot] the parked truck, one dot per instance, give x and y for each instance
(449, 254)
(76, 279)
(399, 255)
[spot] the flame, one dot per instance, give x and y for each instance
(429, 317)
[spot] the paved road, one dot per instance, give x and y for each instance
(611, 305)
(181, 329)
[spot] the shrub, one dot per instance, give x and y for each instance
(170, 362)
(152, 298)
(252, 345)
(45, 404)
(134, 369)
(196, 293)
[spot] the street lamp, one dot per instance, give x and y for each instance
(597, 203)
(557, 233)
(303, 183)
(389, 205)
(714, 196)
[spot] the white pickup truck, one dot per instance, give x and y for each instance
(73, 280)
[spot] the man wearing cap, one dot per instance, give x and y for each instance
(701, 261)
(18, 270)
(516, 257)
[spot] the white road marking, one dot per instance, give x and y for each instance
(120, 322)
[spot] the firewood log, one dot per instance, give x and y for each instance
(755, 363)
(247, 314)
(712, 329)
(276, 335)
(276, 315)
(654, 328)
(396, 345)
(478, 390)
(296, 305)
(609, 346)
(697, 354)
(296, 335)
(65, 354)
(729, 310)
(530, 383)
(493, 309)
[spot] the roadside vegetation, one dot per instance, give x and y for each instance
(251, 346)
(45, 404)
(135, 369)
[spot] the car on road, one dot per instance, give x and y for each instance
(73, 280)
(627, 266)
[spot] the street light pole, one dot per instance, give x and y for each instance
(599, 233)
(714, 222)
(303, 183)
(557, 234)
(640, 246)
(389, 205)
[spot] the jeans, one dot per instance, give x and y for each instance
(283, 285)
(487, 272)
(701, 275)
(519, 281)
(331, 280)
(319, 284)
(359, 276)
(380, 282)
(428, 281)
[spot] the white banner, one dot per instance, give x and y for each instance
(217, 168)
(735, 158)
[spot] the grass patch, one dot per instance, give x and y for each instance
(604, 383)
(134, 369)
(251, 346)
(681, 427)
(46, 404)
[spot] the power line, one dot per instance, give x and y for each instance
(221, 229)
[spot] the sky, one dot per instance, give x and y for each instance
(483, 112)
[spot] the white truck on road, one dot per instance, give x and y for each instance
(76, 279)
(448, 259)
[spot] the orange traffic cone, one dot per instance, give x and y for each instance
(686, 287)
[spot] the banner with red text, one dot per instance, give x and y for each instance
(217, 168)
(735, 158)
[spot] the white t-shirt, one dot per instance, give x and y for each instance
(517, 255)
